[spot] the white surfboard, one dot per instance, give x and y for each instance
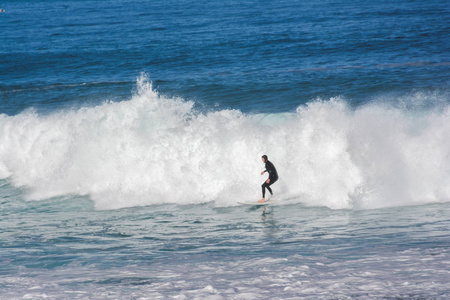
(256, 203)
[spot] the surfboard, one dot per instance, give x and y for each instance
(256, 203)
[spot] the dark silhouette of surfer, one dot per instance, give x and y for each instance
(273, 177)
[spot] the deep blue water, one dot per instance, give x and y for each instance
(130, 129)
(251, 55)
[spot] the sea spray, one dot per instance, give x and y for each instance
(155, 149)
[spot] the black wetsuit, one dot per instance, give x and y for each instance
(273, 176)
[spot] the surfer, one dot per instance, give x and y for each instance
(273, 177)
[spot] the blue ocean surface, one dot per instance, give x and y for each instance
(130, 129)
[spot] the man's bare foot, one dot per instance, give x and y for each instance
(262, 200)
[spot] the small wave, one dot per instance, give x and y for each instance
(35, 88)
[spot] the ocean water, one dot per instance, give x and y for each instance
(129, 129)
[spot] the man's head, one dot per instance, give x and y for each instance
(264, 158)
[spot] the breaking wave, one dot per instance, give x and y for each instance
(154, 149)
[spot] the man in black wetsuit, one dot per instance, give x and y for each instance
(273, 177)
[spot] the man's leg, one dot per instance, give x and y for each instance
(263, 189)
(271, 182)
(269, 189)
(263, 186)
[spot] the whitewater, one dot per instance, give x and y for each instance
(154, 149)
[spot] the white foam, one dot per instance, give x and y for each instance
(153, 149)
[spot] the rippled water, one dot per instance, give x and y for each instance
(64, 248)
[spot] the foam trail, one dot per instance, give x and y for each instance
(153, 149)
